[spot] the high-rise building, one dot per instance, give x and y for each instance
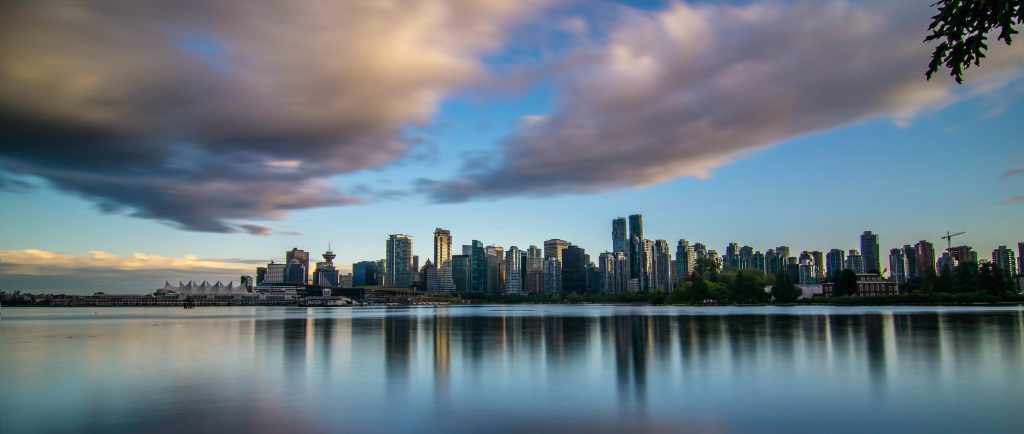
(534, 281)
(399, 269)
(295, 273)
(897, 266)
(366, 273)
(513, 271)
(963, 254)
(442, 247)
(819, 261)
(662, 266)
(621, 263)
(1020, 259)
(870, 252)
(746, 260)
(1005, 259)
(261, 275)
(439, 280)
(303, 257)
(552, 275)
(945, 262)
(638, 260)
(636, 226)
(275, 273)
(757, 261)
(606, 269)
(619, 238)
(495, 269)
(911, 255)
(478, 267)
(732, 256)
(924, 253)
(553, 248)
(461, 272)
(808, 272)
(835, 260)
(855, 262)
(685, 260)
(574, 269)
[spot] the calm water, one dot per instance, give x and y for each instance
(512, 369)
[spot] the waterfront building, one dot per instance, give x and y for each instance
(245, 282)
(552, 275)
(513, 269)
(868, 285)
(275, 274)
(345, 280)
(399, 268)
(326, 274)
(261, 274)
(1020, 259)
(366, 273)
(1005, 259)
(619, 238)
(924, 253)
(534, 265)
(746, 258)
(621, 273)
(869, 251)
(633, 285)
(574, 263)
(461, 272)
(897, 266)
(855, 262)
(606, 270)
(442, 247)
(638, 260)
(478, 267)
(819, 261)
(295, 273)
(636, 226)
(303, 257)
(662, 266)
(439, 280)
(757, 261)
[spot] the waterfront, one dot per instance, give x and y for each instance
(512, 369)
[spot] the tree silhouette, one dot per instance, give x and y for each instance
(962, 27)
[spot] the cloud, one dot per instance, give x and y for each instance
(1012, 172)
(688, 89)
(205, 115)
(36, 269)
(1014, 199)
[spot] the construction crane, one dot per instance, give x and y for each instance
(949, 239)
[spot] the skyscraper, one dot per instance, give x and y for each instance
(835, 260)
(619, 238)
(855, 262)
(1020, 258)
(685, 260)
(478, 267)
(636, 226)
(638, 260)
(461, 272)
(553, 248)
(869, 249)
(303, 257)
(442, 247)
(897, 266)
(513, 271)
(661, 265)
(924, 252)
(552, 275)
(574, 270)
(964, 254)
(606, 268)
(399, 268)
(534, 282)
(911, 255)
(746, 260)
(1005, 259)
(732, 256)
(366, 273)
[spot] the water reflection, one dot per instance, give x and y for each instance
(466, 369)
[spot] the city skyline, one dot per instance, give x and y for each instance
(539, 121)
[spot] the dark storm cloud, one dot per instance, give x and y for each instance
(206, 114)
(685, 90)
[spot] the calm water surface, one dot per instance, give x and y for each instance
(512, 369)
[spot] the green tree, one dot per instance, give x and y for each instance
(966, 277)
(991, 279)
(945, 281)
(657, 297)
(962, 28)
(748, 287)
(699, 289)
(678, 295)
(784, 291)
(573, 297)
(846, 284)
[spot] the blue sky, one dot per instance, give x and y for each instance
(908, 161)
